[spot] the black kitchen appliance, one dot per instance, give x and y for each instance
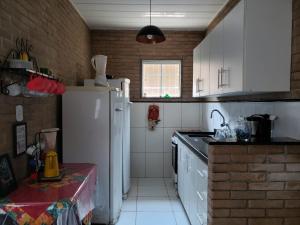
(174, 158)
(261, 126)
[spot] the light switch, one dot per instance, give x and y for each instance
(19, 113)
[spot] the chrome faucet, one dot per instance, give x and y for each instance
(223, 124)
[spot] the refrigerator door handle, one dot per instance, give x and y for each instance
(119, 109)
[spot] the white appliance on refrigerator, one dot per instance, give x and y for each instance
(92, 133)
(123, 84)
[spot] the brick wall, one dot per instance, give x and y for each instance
(125, 55)
(254, 185)
(61, 42)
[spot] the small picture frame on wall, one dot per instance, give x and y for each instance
(8, 181)
(20, 138)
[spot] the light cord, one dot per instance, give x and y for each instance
(150, 12)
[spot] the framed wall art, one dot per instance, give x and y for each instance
(7, 178)
(20, 138)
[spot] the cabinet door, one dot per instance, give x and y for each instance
(186, 188)
(193, 191)
(216, 58)
(202, 177)
(231, 78)
(196, 71)
(204, 67)
(190, 188)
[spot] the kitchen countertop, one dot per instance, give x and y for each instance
(200, 145)
(254, 141)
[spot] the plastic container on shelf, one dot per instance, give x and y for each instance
(20, 64)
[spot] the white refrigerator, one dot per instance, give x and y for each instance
(92, 133)
(123, 84)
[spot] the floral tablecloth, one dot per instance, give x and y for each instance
(67, 202)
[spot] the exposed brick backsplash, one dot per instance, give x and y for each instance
(125, 55)
(254, 185)
(61, 42)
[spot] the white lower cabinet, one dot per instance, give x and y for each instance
(181, 171)
(192, 185)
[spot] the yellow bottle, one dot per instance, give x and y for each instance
(51, 165)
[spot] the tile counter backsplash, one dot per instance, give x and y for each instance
(151, 150)
(287, 124)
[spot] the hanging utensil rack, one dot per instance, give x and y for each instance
(10, 76)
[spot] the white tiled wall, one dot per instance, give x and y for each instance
(151, 150)
(287, 124)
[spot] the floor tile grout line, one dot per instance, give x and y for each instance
(169, 198)
(173, 211)
(137, 193)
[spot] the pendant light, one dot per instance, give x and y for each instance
(150, 34)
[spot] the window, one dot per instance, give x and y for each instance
(161, 78)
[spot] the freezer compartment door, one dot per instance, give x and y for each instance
(126, 140)
(86, 139)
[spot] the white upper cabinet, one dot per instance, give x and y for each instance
(204, 68)
(268, 41)
(250, 50)
(201, 69)
(216, 58)
(231, 75)
(196, 72)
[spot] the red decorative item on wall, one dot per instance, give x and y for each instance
(43, 84)
(153, 116)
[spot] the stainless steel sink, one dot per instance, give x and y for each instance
(198, 134)
(196, 140)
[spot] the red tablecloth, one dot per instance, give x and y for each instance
(53, 202)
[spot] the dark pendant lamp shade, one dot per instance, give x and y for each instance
(150, 35)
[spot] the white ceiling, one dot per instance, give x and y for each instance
(134, 14)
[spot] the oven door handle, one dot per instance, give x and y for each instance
(174, 158)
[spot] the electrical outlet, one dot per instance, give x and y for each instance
(19, 113)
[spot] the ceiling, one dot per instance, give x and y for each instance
(134, 14)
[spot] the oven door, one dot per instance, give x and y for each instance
(174, 157)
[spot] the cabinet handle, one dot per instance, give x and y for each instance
(197, 85)
(200, 196)
(223, 71)
(188, 164)
(201, 175)
(219, 78)
(199, 81)
(199, 218)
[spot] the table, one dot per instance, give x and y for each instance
(67, 202)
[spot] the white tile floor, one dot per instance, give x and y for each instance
(152, 201)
